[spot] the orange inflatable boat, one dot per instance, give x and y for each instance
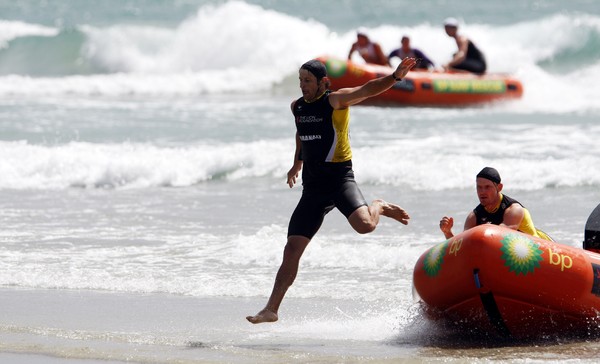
(425, 88)
(502, 283)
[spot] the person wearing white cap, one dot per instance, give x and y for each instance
(370, 51)
(451, 22)
(469, 57)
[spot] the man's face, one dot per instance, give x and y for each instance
(362, 40)
(309, 85)
(488, 191)
(405, 44)
(451, 31)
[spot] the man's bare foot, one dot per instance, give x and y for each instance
(263, 316)
(394, 211)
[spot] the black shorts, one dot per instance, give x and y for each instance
(472, 65)
(315, 203)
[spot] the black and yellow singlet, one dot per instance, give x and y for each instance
(324, 135)
(497, 217)
(322, 130)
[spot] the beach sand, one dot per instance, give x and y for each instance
(83, 327)
(22, 358)
(72, 326)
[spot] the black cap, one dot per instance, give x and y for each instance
(490, 173)
(315, 67)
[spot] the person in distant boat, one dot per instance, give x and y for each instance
(324, 156)
(468, 57)
(494, 208)
(370, 51)
(406, 50)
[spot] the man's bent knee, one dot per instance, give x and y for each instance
(365, 228)
(361, 221)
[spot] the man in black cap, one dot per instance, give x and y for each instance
(494, 208)
(324, 156)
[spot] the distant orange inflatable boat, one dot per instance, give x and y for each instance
(504, 283)
(425, 88)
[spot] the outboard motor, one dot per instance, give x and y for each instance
(591, 239)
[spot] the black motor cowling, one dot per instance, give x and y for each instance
(591, 238)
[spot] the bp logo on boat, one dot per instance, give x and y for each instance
(434, 258)
(520, 254)
(335, 67)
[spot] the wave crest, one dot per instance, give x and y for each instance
(78, 164)
(137, 165)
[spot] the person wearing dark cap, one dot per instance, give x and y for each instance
(370, 51)
(468, 57)
(405, 50)
(494, 208)
(324, 156)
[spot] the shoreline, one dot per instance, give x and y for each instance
(78, 326)
(90, 327)
(27, 358)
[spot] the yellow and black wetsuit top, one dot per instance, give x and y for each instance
(323, 130)
(325, 140)
(497, 216)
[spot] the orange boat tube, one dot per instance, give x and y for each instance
(425, 88)
(504, 283)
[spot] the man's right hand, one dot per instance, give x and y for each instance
(406, 65)
(293, 173)
(446, 224)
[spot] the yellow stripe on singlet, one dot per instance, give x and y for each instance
(526, 225)
(340, 149)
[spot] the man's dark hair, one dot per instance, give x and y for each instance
(490, 173)
(315, 67)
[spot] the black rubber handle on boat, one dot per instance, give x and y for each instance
(491, 308)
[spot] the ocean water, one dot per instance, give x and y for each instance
(143, 152)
